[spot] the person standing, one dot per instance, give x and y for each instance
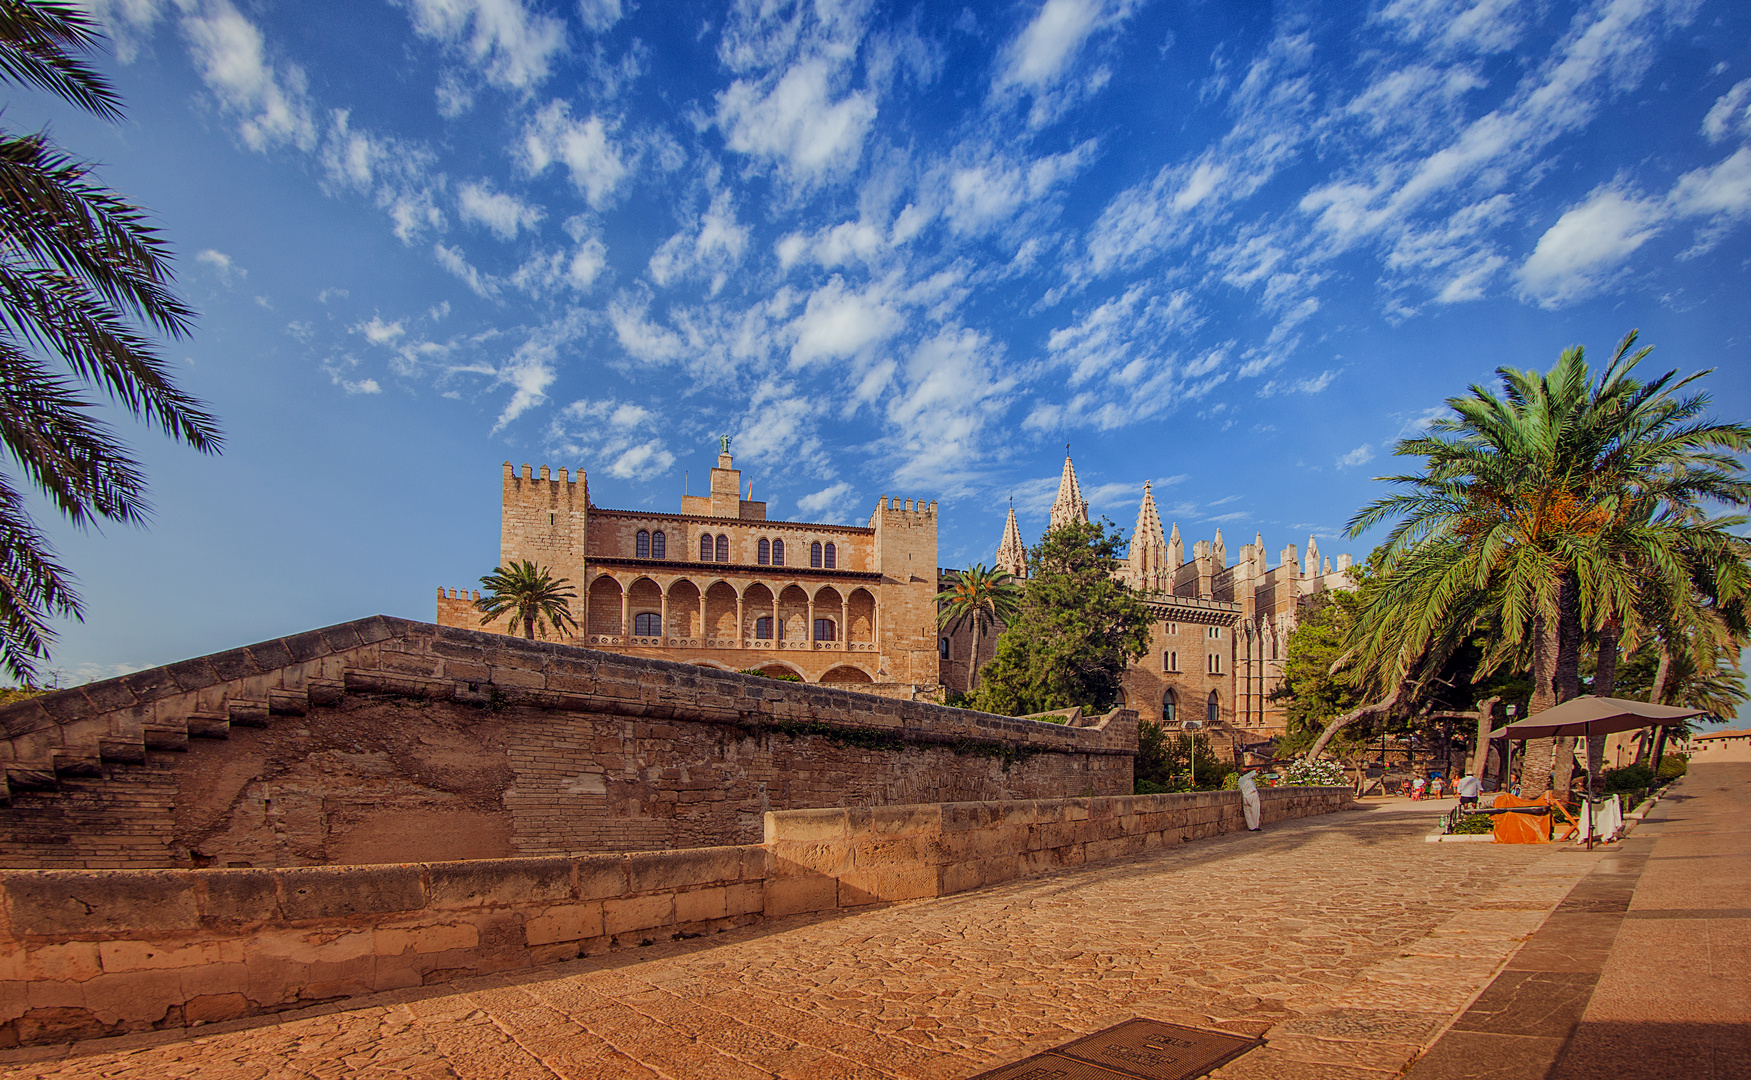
(1469, 789)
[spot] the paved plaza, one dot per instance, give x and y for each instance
(1346, 940)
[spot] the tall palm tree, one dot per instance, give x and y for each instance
(983, 596)
(531, 594)
(80, 269)
(1546, 511)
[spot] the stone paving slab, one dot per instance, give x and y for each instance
(1345, 940)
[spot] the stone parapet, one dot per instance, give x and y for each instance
(849, 857)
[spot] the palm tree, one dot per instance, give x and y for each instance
(1544, 512)
(531, 594)
(984, 597)
(79, 269)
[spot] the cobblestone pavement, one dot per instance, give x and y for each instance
(1346, 940)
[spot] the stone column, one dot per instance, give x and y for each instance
(665, 617)
(703, 633)
(740, 601)
(625, 616)
(777, 626)
(810, 635)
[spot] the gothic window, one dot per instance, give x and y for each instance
(1215, 666)
(1120, 701)
(1169, 709)
(1215, 633)
(825, 630)
(942, 648)
(763, 553)
(1171, 629)
(723, 548)
(832, 557)
(1170, 661)
(1213, 711)
(815, 554)
(659, 545)
(778, 553)
(642, 547)
(705, 548)
(763, 628)
(647, 624)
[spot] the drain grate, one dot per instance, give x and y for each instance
(1134, 1050)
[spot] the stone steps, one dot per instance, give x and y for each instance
(87, 759)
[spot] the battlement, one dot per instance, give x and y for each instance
(895, 505)
(529, 476)
(468, 595)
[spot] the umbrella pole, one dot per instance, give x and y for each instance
(1589, 807)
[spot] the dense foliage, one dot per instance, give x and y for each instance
(1172, 761)
(1314, 774)
(981, 598)
(1077, 629)
(531, 595)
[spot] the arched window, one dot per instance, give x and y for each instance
(1213, 711)
(723, 548)
(815, 554)
(642, 546)
(942, 648)
(705, 548)
(659, 545)
(1169, 709)
(1170, 661)
(647, 624)
(763, 555)
(825, 630)
(1119, 702)
(778, 553)
(832, 557)
(763, 628)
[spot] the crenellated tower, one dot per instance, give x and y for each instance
(545, 519)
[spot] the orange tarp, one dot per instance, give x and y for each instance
(1523, 828)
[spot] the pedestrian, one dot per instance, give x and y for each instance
(1249, 800)
(1469, 789)
(1417, 786)
(1436, 786)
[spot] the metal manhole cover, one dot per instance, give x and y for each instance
(1140, 1049)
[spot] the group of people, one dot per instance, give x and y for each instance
(1434, 786)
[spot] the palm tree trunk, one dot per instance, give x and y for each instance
(1604, 685)
(1540, 753)
(1486, 714)
(973, 664)
(1568, 673)
(1658, 697)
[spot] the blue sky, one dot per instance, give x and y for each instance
(1234, 248)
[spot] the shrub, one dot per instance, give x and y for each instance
(1672, 766)
(1628, 778)
(1474, 825)
(1314, 774)
(783, 676)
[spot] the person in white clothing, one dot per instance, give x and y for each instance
(1249, 799)
(1469, 788)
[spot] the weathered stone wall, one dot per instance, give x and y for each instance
(845, 857)
(393, 741)
(91, 953)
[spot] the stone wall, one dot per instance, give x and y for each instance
(392, 741)
(846, 857)
(92, 953)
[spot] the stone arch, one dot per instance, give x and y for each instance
(860, 617)
(1213, 709)
(683, 609)
(829, 615)
(756, 605)
(1169, 707)
(604, 607)
(847, 674)
(773, 667)
(720, 610)
(793, 613)
(716, 665)
(645, 597)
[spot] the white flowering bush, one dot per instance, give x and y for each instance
(1314, 774)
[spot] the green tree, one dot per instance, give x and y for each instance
(80, 269)
(531, 594)
(1315, 686)
(1078, 628)
(1543, 512)
(1174, 761)
(982, 597)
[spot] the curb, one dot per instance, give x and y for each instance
(1453, 838)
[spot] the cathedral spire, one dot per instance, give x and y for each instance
(1070, 505)
(1147, 564)
(1011, 553)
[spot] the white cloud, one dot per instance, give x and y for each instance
(378, 332)
(1311, 384)
(222, 265)
(529, 372)
(1042, 58)
(582, 146)
(952, 389)
(612, 431)
(1361, 455)
(838, 322)
(510, 44)
(1731, 112)
(1722, 188)
(577, 269)
(272, 101)
(638, 335)
(501, 214)
(830, 504)
(1586, 244)
(796, 121)
(599, 15)
(453, 260)
(713, 245)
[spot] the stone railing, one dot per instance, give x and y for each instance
(88, 953)
(826, 859)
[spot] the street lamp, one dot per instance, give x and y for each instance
(1192, 751)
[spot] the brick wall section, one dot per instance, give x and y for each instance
(847, 857)
(392, 741)
(92, 953)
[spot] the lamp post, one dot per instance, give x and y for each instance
(1192, 752)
